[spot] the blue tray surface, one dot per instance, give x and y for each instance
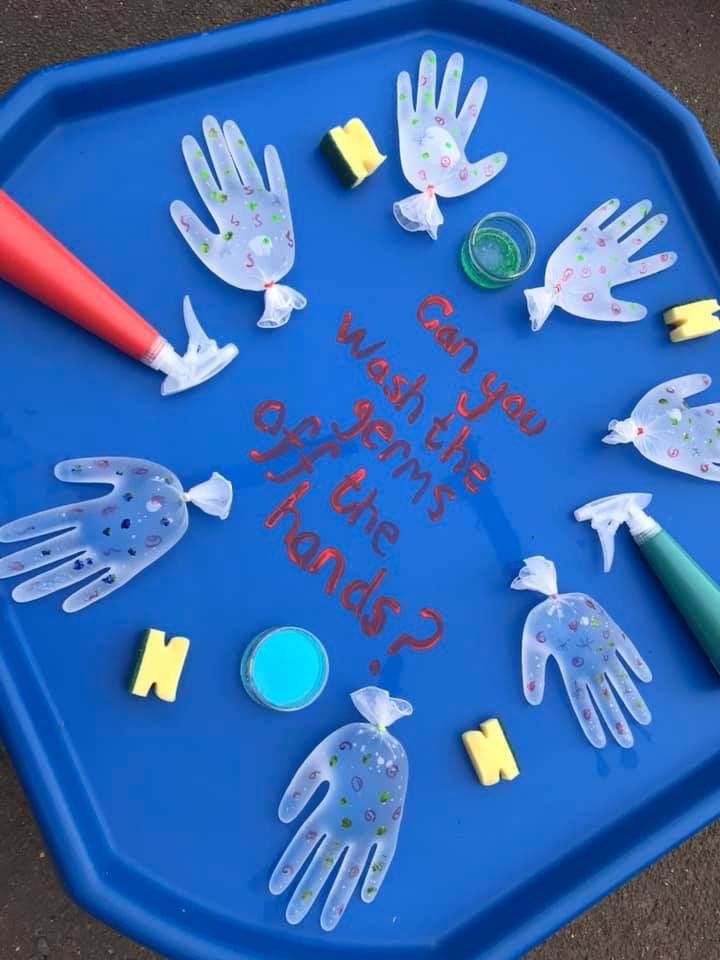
(163, 817)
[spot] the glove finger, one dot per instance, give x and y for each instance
(426, 83)
(53, 580)
(91, 469)
(196, 234)
(295, 855)
(628, 692)
(46, 521)
(481, 172)
(108, 583)
(598, 216)
(205, 183)
(680, 388)
(313, 880)
(450, 88)
(244, 160)
(311, 774)
(636, 269)
(224, 165)
(632, 657)
(611, 713)
(644, 234)
(380, 862)
(582, 704)
(467, 118)
(404, 98)
(343, 887)
(275, 174)
(621, 311)
(40, 554)
(626, 221)
(534, 659)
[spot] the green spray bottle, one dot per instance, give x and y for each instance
(694, 593)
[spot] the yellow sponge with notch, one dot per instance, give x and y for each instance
(490, 753)
(691, 320)
(351, 152)
(159, 664)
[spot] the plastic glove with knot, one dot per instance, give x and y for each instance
(672, 434)
(110, 538)
(358, 818)
(582, 271)
(255, 245)
(433, 138)
(588, 646)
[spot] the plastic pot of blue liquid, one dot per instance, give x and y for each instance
(284, 668)
(499, 249)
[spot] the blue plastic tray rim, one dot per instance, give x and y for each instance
(92, 873)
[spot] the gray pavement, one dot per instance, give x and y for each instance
(670, 912)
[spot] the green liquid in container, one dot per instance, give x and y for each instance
(490, 257)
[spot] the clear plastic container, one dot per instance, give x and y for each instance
(499, 249)
(285, 668)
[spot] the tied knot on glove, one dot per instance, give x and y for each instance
(539, 574)
(541, 301)
(622, 431)
(379, 708)
(280, 301)
(213, 496)
(420, 211)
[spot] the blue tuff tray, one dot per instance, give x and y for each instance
(162, 818)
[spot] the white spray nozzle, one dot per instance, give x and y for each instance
(606, 515)
(201, 361)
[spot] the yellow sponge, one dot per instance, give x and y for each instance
(490, 753)
(160, 664)
(692, 320)
(351, 152)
